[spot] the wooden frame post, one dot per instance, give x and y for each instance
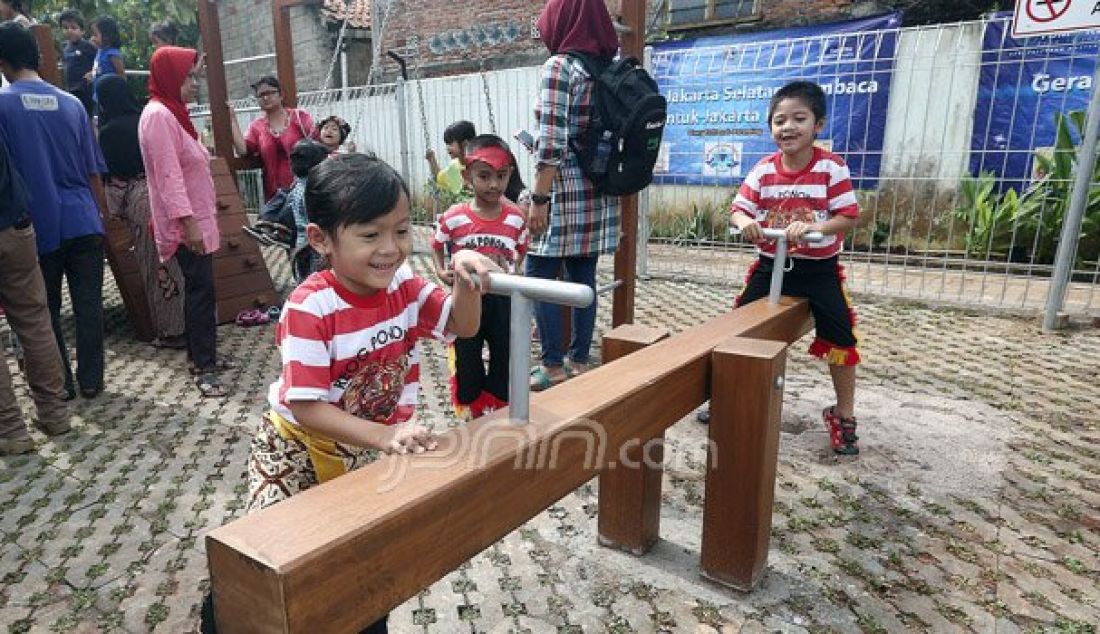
(216, 85)
(47, 55)
(741, 459)
(284, 51)
(630, 487)
(626, 255)
(284, 48)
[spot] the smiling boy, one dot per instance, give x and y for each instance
(803, 188)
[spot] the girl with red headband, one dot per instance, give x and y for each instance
(493, 226)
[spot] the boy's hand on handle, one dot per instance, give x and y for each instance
(430, 155)
(410, 438)
(797, 230)
(469, 264)
(752, 231)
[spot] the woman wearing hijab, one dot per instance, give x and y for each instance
(272, 136)
(128, 198)
(182, 200)
(571, 223)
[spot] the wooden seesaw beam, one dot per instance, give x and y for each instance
(339, 556)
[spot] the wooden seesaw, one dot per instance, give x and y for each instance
(337, 557)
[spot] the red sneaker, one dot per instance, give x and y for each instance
(842, 432)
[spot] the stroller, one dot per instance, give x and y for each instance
(279, 226)
(282, 220)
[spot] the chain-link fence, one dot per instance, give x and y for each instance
(964, 198)
(962, 191)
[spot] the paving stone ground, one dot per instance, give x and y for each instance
(975, 505)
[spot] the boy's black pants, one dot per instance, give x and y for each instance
(470, 372)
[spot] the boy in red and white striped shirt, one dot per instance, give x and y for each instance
(491, 225)
(803, 188)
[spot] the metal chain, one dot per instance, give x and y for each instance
(488, 97)
(412, 49)
(336, 49)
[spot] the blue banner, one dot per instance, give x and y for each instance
(1023, 85)
(718, 90)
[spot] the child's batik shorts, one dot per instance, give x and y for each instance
(285, 460)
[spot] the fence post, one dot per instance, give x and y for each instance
(746, 400)
(1071, 223)
(630, 488)
(644, 197)
(403, 129)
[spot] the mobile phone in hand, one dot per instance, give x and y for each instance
(525, 139)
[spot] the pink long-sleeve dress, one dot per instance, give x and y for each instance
(177, 168)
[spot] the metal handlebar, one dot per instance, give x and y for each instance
(778, 234)
(522, 290)
(538, 289)
(775, 291)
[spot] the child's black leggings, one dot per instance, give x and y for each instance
(470, 372)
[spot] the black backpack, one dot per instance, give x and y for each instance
(620, 147)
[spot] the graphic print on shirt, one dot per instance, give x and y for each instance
(373, 391)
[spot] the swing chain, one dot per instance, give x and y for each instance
(413, 49)
(488, 97)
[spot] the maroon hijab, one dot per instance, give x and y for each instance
(167, 71)
(578, 26)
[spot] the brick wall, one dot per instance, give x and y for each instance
(780, 13)
(453, 36)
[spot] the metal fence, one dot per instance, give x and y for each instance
(929, 229)
(400, 121)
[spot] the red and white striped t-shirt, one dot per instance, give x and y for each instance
(357, 352)
(776, 197)
(503, 238)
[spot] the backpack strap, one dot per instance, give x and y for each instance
(594, 65)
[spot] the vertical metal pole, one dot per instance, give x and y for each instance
(643, 198)
(776, 290)
(403, 128)
(344, 73)
(1071, 223)
(519, 360)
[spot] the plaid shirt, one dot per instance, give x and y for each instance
(582, 222)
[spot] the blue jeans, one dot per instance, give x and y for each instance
(579, 269)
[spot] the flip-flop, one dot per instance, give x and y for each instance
(252, 317)
(542, 380)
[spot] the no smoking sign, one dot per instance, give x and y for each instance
(1047, 17)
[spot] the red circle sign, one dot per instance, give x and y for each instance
(1047, 10)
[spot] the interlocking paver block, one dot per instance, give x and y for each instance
(972, 506)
